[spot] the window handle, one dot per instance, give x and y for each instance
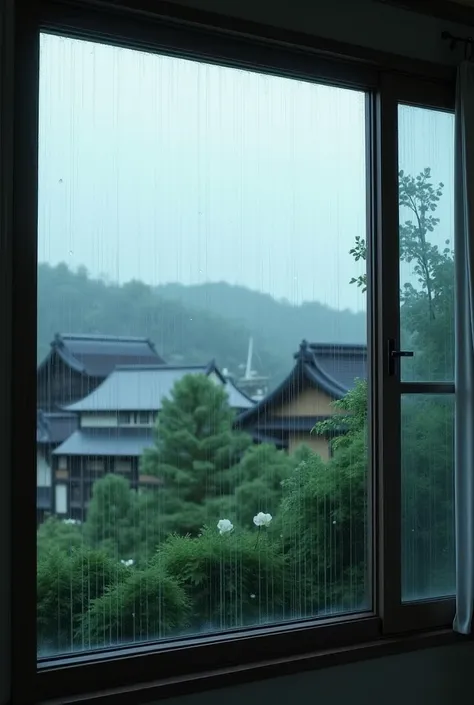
(394, 354)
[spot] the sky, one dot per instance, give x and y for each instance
(169, 170)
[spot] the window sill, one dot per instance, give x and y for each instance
(144, 692)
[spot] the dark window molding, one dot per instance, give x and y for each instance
(152, 691)
(443, 9)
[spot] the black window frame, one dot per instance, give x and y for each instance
(206, 37)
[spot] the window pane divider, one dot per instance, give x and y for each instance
(427, 388)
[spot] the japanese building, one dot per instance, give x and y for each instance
(322, 373)
(115, 425)
(74, 367)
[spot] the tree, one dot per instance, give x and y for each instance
(111, 518)
(427, 327)
(324, 516)
(258, 480)
(195, 448)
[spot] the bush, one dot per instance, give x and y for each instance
(148, 604)
(66, 584)
(324, 526)
(233, 580)
(59, 534)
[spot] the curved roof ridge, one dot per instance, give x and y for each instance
(266, 401)
(323, 379)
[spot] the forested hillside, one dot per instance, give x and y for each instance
(274, 324)
(189, 324)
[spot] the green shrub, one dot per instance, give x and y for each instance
(324, 526)
(233, 580)
(148, 604)
(58, 534)
(66, 584)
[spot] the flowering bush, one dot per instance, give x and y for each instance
(224, 526)
(230, 580)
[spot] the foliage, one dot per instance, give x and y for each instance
(258, 481)
(232, 580)
(148, 604)
(428, 550)
(195, 448)
(427, 327)
(324, 516)
(359, 252)
(427, 310)
(66, 583)
(55, 533)
(110, 518)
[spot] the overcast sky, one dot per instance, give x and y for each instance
(167, 170)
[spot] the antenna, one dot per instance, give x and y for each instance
(248, 367)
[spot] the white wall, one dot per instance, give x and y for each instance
(441, 676)
(364, 22)
(43, 471)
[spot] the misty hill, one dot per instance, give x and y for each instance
(188, 324)
(277, 325)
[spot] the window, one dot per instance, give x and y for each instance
(253, 171)
(209, 240)
(135, 418)
(123, 466)
(61, 499)
(426, 161)
(124, 418)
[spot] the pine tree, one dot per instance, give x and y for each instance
(111, 519)
(194, 452)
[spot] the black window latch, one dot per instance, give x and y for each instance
(394, 354)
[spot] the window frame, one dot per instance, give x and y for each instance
(206, 37)
(398, 616)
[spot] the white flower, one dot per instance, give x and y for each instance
(224, 526)
(129, 563)
(71, 521)
(252, 596)
(262, 519)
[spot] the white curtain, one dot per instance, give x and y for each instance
(464, 374)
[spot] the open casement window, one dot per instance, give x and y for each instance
(416, 329)
(268, 219)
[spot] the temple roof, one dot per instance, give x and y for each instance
(143, 388)
(98, 355)
(54, 427)
(332, 368)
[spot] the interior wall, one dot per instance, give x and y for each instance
(433, 677)
(441, 676)
(368, 23)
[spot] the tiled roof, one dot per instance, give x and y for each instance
(98, 355)
(332, 368)
(53, 428)
(143, 388)
(130, 442)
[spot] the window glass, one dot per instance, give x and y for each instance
(426, 199)
(202, 235)
(426, 184)
(428, 550)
